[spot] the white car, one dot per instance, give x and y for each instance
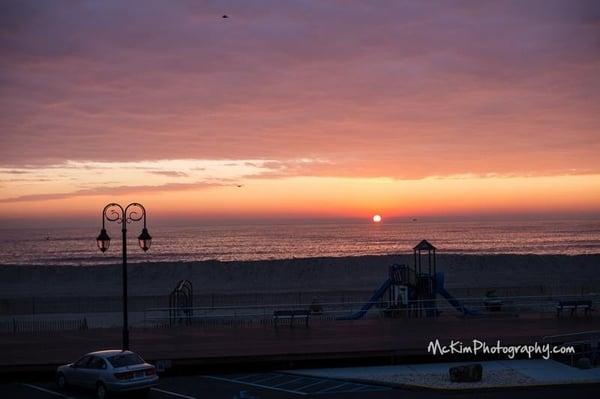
(108, 371)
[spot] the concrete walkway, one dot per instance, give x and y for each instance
(501, 373)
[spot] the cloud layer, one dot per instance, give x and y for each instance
(398, 89)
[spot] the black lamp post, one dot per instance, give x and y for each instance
(116, 213)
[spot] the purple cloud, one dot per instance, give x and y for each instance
(401, 89)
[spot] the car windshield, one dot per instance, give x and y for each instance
(126, 359)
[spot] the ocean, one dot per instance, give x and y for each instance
(283, 241)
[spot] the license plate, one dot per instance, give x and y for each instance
(138, 374)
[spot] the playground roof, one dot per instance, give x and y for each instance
(424, 245)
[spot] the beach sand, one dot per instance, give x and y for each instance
(464, 274)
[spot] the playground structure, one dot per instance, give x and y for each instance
(412, 292)
(181, 302)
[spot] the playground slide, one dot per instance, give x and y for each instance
(439, 283)
(376, 296)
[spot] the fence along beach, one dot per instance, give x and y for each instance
(77, 291)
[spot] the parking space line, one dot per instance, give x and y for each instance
(367, 388)
(255, 385)
(47, 391)
(333, 388)
(377, 388)
(268, 378)
(357, 388)
(179, 395)
(290, 382)
(303, 387)
(244, 377)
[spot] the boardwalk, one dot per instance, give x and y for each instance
(322, 340)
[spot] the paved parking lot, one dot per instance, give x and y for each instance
(273, 385)
(230, 386)
(300, 385)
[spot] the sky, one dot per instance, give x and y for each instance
(299, 109)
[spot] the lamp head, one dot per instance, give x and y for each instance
(103, 240)
(145, 240)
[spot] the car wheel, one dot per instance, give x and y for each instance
(61, 381)
(143, 393)
(101, 392)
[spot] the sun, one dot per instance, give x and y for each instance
(377, 218)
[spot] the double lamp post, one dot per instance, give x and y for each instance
(133, 212)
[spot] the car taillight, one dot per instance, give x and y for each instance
(151, 371)
(127, 375)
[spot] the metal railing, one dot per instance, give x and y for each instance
(37, 326)
(530, 306)
(586, 344)
(262, 314)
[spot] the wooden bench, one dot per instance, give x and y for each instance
(493, 304)
(573, 306)
(291, 315)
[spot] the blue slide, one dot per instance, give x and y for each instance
(439, 284)
(374, 299)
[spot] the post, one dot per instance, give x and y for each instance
(114, 212)
(125, 319)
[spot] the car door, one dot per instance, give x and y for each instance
(77, 371)
(95, 368)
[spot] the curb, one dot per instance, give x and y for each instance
(428, 388)
(416, 387)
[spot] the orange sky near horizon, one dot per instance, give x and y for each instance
(299, 109)
(323, 197)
